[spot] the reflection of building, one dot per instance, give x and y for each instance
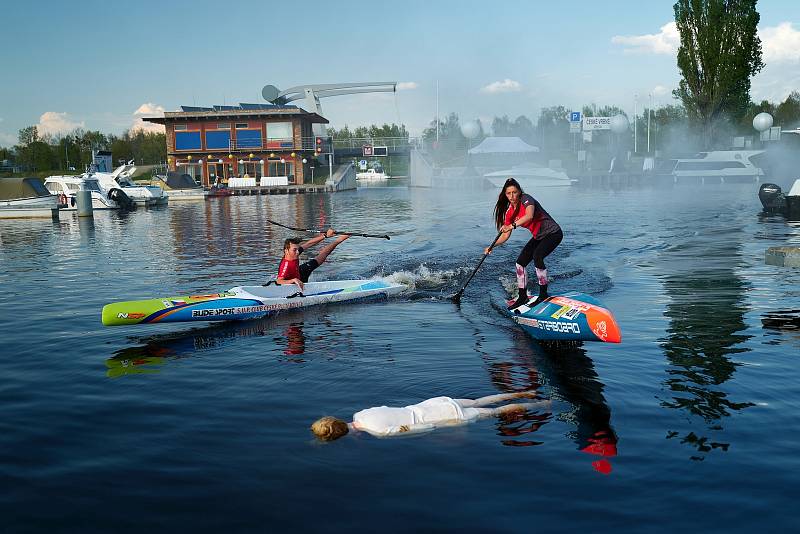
(248, 140)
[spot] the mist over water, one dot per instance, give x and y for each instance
(204, 428)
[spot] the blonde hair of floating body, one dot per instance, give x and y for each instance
(329, 428)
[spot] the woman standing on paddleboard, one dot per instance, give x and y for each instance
(516, 209)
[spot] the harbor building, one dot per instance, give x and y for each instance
(267, 144)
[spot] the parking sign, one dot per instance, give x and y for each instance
(575, 116)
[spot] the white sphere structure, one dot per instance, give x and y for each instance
(619, 124)
(762, 121)
(471, 129)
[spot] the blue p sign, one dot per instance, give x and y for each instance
(575, 116)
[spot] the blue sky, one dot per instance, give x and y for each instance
(94, 64)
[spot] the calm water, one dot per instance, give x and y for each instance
(690, 423)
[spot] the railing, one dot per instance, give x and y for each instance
(389, 142)
(273, 143)
(310, 143)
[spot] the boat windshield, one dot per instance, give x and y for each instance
(91, 185)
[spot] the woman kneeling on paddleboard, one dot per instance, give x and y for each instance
(516, 209)
(291, 271)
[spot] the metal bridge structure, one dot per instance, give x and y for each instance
(311, 95)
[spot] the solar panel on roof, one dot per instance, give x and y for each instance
(224, 108)
(195, 108)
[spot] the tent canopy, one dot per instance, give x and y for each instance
(503, 145)
(17, 188)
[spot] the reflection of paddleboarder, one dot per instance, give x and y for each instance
(385, 421)
(295, 340)
(571, 376)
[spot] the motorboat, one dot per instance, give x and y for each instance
(530, 176)
(180, 186)
(26, 197)
(64, 188)
(121, 177)
(375, 174)
(775, 201)
(719, 166)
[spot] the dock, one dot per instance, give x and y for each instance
(301, 189)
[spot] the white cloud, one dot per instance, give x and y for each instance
(780, 44)
(660, 90)
(664, 42)
(7, 139)
(147, 109)
(505, 86)
(406, 86)
(53, 122)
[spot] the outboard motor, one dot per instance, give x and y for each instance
(772, 198)
(119, 196)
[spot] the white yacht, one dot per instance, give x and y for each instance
(64, 188)
(120, 178)
(719, 166)
(530, 176)
(375, 174)
(26, 197)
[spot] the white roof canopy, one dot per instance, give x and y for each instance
(503, 145)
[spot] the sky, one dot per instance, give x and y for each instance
(103, 65)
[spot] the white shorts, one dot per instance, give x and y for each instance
(441, 409)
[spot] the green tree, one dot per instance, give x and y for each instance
(719, 53)
(787, 114)
(28, 135)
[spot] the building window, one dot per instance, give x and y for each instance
(248, 139)
(180, 127)
(240, 125)
(187, 140)
(279, 135)
(223, 126)
(216, 140)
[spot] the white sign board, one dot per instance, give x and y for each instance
(575, 127)
(596, 123)
(587, 136)
(362, 165)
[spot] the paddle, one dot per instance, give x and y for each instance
(313, 231)
(457, 297)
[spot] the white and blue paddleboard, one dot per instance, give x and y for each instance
(569, 317)
(242, 302)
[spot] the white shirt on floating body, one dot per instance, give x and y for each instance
(421, 417)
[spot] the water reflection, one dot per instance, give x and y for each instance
(565, 373)
(706, 315)
(288, 336)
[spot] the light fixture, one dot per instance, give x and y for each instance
(262, 161)
(251, 156)
(272, 154)
(292, 154)
(305, 160)
(283, 160)
(220, 161)
(241, 162)
(230, 156)
(189, 158)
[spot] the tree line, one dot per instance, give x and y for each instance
(37, 152)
